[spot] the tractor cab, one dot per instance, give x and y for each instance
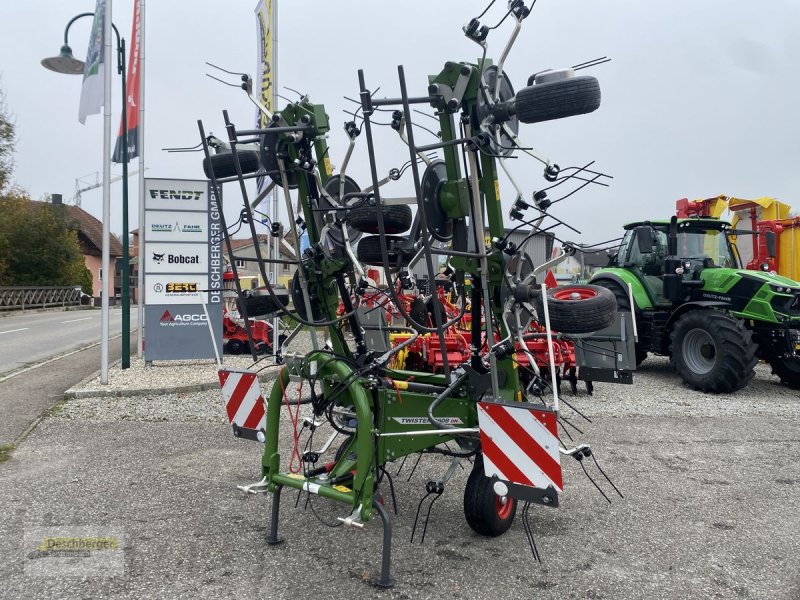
(700, 244)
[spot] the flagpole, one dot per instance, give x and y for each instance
(108, 273)
(140, 144)
(275, 217)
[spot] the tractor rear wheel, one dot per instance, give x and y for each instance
(788, 369)
(713, 351)
(578, 308)
(487, 513)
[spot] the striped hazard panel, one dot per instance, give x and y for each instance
(520, 445)
(243, 402)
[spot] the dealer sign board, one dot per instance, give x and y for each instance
(182, 260)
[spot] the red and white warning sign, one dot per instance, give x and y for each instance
(243, 402)
(520, 445)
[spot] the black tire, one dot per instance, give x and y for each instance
(578, 308)
(788, 369)
(623, 303)
(557, 99)
(369, 251)
(235, 347)
(396, 219)
(486, 513)
(342, 448)
(225, 166)
(263, 305)
(713, 351)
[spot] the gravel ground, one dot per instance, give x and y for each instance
(711, 508)
(167, 375)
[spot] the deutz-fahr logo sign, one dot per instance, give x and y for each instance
(169, 228)
(177, 318)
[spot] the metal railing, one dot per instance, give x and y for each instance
(38, 296)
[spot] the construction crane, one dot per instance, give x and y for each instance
(82, 186)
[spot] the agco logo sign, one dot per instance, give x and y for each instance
(168, 319)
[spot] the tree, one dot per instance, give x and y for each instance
(39, 245)
(7, 142)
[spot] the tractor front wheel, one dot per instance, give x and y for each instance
(713, 351)
(487, 513)
(787, 368)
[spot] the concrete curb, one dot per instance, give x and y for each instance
(49, 309)
(75, 393)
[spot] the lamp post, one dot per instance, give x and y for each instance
(66, 63)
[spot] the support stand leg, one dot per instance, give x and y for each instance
(385, 580)
(272, 536)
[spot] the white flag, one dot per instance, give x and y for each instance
(92, 89)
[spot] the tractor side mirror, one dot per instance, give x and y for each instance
(644, 239)
(772, 244)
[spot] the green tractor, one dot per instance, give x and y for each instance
(695, 303)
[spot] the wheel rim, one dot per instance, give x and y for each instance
(699, 351)
(503, 505)
(575, 293)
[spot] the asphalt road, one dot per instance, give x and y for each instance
(25, 396)
(32, 337)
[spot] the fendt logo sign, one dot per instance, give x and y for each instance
(178, 319)
(176, 194)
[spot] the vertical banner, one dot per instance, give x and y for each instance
(183, 237)
(132, 84)
(92, 86)
(266, 51)
(265, 69)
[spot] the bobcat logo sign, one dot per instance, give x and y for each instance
(158, 258)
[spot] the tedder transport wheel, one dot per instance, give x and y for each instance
(224, 165)
(623, 303)
(788, 369)
(578, 308)
(713, 351)
(396, 219)
(487, 513)
(236, 347)
(369, 250)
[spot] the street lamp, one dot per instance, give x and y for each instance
(67, 64)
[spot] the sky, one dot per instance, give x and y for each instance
(698, 100)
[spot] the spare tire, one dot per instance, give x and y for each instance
(225, 166)
(369, 250)
(396, 219)
(578, 308)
